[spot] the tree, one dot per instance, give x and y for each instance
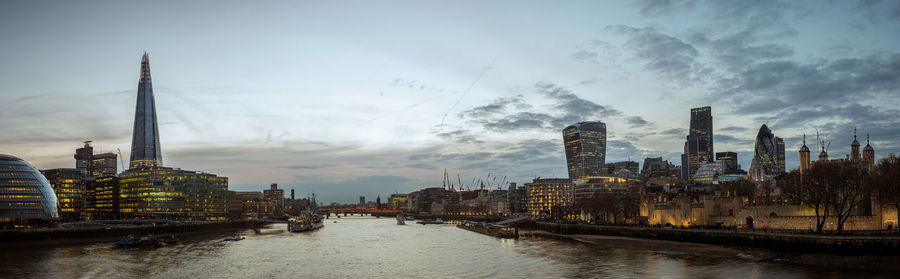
(849, 182)
(886, 182)
(809, 188)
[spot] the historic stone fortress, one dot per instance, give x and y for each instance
(715, 206)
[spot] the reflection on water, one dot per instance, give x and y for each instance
(368, 247)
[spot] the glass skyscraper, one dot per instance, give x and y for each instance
(698, 148)
(585, 144)
(770, 151)
(149, 191)
(145, 149)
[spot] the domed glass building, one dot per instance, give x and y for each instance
(26, 198)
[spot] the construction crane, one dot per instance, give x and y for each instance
(121, 159)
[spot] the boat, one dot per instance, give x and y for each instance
(146, 241)
(500, 231)
(128, 241)
(401, 220)
(305, 222)
(431, 222)
(235, 237)
(410, 218)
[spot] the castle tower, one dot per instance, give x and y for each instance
(804, 156)
(868, 154)
(854, 148)
(823, 156)
(145, 150)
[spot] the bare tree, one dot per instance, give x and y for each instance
(845, 183)
(811, 189)
(887, 182)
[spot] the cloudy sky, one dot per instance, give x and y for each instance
(366, 98)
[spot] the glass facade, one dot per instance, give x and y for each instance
(172, 194)
(586, 187)
(68, 184)
(102, 202)
(770, 151)
(731, 162)
(585, 144)
(699, 145)
(547, 194)
(26, 198)
(145, 149)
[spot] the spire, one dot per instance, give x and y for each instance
(145, 149)
(855, 143)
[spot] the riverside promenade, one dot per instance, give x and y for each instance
(778, 241)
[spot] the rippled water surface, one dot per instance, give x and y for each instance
(370, 247)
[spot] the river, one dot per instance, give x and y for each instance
(378, 248)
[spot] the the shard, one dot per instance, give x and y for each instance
(145, 150)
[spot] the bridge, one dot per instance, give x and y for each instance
(351, 212)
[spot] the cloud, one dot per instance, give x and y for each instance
(496, 106)
(666, 55)
(734, 129)
(675, 132)
(778, 84)
(636, 121)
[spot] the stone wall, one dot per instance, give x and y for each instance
(731, 212)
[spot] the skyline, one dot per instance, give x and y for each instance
(446, 104)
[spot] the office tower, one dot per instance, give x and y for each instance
(698, 148)
(770, 151)
(730, 159)
(585, 145)
(145, 149)
(68, 185)
(84, 159)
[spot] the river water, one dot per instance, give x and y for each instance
(378, 248)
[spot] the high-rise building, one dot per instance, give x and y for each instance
(84, 159)
(585, 144)
(68, 184)
(104, 164)
(770, 151)
(102, 198)
(145, 148)
(698, 148)
(150, 191)
(94, 165)
(27, 199)
(730, 159)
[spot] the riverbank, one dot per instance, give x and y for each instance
(87, 235)
(747, 253)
